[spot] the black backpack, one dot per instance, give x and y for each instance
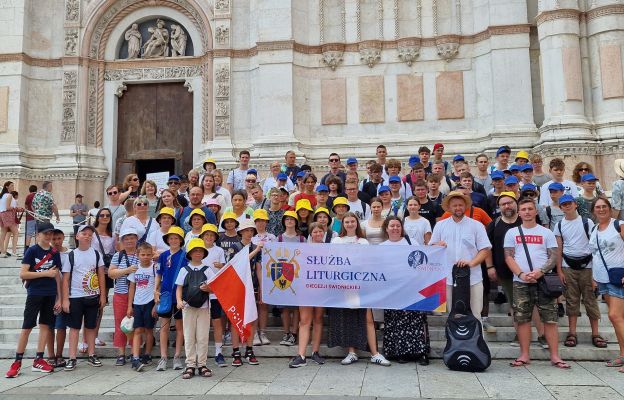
(465, 349)
(191, 293)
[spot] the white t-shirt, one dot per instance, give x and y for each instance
(84, 278)
(349, 240)
(227, 196)
(389, 243)
(190, 235)
(137, 225)
(236, 178)
(215, 253)
(464, 239)
(155, 239)
(575, 240)
(570, 188)
(416, 229)
(182, 275)
(612, 247)
(264, 237)
(145, 280)
(4, 201)
(356, 208)
(538, 239)
(271, 182)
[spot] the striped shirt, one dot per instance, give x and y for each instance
(123, 262)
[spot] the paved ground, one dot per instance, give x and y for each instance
(273, 379)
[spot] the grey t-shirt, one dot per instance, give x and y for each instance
(79, 208)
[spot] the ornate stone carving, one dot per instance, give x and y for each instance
(68, 131)
(135, 41)
(189, 85)
(71, 42)
(70, 78)
(370, 52)
(409, 50)
(222, 102)
(222, 34)
(72, 9)
(137, 74)
(158, 44)
(222, 73)
(178, 41)
(332, 59)
(222, 126)
(92, 108)
(448, 50)
(121, 88)
(223, 89)
(222, 5)
(222, 108)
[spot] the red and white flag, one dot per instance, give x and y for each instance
(233, 287)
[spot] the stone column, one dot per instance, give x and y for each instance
(562, 78)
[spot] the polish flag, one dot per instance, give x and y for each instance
(233, 287)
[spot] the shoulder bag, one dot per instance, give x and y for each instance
(550, 284)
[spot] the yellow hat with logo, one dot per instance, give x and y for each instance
(261, 213)
(209, 161)
(174, 230)
(166, 211)
(304, 204)
(522, 154)
(229, 215)
(193, 244)
(290, 214)
(340, 201)
(209, 228)
(198, 211)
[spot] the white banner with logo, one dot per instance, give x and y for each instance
(354, 276)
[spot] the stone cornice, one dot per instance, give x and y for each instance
(566, 13)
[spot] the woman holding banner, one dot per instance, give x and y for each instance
(406, 333)
(353, 328)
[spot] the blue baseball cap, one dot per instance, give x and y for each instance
(393, 179)
(503, 149)
(589, 178)
(352, 160)
(301, 174)
(529, 186)
(497, 175)
(566, 198)
(512, 180)
(174, 178)
(322, 188)
(413, 160)
(383, 189)
(252, 171)
(514, 167)
(280, 177)
(556, 186)
(458, 157)
(526, 167)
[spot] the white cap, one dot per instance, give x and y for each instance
(128, 231)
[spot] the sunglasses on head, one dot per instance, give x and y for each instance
(111, 193)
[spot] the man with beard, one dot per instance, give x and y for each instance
(196, 196)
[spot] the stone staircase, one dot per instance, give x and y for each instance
(12, 297)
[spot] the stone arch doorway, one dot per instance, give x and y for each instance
(154, 129)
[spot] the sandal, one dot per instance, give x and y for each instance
(205, 372)
(519, 363)
(571, 340)
(83, 347)
(188, 373)
(599, 341)
(616, 362)
(560, 364)
(99, 342)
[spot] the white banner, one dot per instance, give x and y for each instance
(354, 276)
(160, 178)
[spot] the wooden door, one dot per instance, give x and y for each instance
(155, 121)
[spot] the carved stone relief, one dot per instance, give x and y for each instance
(178, 41)
(222, 103)
(222, 6)
(72, 9)
(222, 34)
(92, 108)
(68, 132)
(121, 88)
(158, 43)
(137, 74)
(370, 52)
(135, 41)
(409, 50)
(71, 41)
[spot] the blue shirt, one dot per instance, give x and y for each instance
(183, 221)
(168, 268)
(41, 286)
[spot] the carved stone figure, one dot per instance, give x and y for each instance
(178, 41)
(133, 37)
(158, 43)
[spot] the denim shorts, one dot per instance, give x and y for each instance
(611, 290)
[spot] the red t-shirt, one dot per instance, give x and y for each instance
(311, 197)
(28, 204)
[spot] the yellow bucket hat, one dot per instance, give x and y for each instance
(195, 244)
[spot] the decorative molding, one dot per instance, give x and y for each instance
(380, 21)
(72, 10)
(189, 85)
(321, 15)
(92, 108)
(434, 10)
(409, 50)
(70, 84)
(222, 78)
(448, 47)
(562, 13)
(458, 16)
(343, 21)
(419, 17)
(52, 175)
(370, 52)
(120, 89)
(71, 41)
(140, 74)
(332, 59)
(597, 12)
(222, 6)
(395, 9)
(358, 20)
(222, 34)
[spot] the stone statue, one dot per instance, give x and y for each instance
(178, 41)
(134, 39)
(158, 43)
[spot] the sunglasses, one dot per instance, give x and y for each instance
(111, 193)
(250, 180)
(334, 160)
(529, 194)
(583, 169)
(141, 204)
(135, 179)
(173, 183)
(105, 215)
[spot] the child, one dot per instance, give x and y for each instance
(141, 305)
(214, 206)
(587, 199)
(40, 271)
(215, 260)
(557, 170)
(397, 201)
(197, 219)
(169, 264)
(340, 208)
(192, 296)
(433, 189)
(230, 237)
(261, 219)
(60, 326)
(553, 214)
(83, 294)
(416, 227)
(304, 210)
(274, 226)
(322, 217)
(322, 195)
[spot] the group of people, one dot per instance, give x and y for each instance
(511, 223)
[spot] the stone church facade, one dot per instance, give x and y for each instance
(93, 89)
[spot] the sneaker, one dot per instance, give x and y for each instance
(99, 342)
(297, 362)
(60, 362)
(316, 357)
(177, 364)
(380, 360)
(237, 360)
(515, 342)
(542, 341)
(94, 361)
(146, 359)
(162, 365)
(264, 339)
(250, 357)
(71, 364)
(227, 338)
(256, 340)
(349, 359)
(220, 361)
(560, 310)
(14, 370)
(284, 341)
(292, 339)
(41, 365)
(137, 365)
(489, 328)
(121, 361)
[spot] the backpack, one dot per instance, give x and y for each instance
(191, 293)
(465, 349)
(71, 266)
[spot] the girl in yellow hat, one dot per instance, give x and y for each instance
(197, 219)
(166, 219)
